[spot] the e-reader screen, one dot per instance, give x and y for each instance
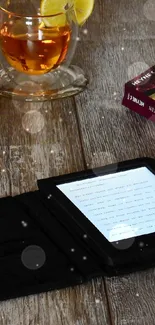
(120, 205)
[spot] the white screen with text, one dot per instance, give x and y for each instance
(120, 205)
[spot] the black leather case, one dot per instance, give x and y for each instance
(37, 253)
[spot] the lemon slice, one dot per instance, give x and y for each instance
(82, 9)
(55, 8)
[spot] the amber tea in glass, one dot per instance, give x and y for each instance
(36, 51)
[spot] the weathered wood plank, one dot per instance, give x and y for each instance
(132, 298)
(82, 305)
(42, 143)
(4, 153)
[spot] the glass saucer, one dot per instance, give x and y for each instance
(63, 82)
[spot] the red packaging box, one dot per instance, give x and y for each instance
(139, 94)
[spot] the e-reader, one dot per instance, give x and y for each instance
(75, 227)
(112, 209)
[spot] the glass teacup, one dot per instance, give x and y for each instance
(36, 52)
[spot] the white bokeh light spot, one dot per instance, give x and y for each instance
(24, 223)
(33, 257)
(122, 229)
(85, 31)
(141, 244)
(101, 158)
(149, 10)
(33, 122)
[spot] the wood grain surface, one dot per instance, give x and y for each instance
(92, 129)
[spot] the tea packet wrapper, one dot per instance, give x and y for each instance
(139, 94)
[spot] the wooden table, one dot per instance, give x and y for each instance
(92, 129)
